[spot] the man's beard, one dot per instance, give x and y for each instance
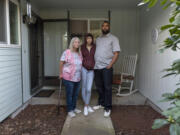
(105, 32)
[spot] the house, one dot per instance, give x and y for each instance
(30, 53)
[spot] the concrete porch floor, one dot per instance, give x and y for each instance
(134, 99)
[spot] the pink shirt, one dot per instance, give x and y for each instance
(72, 67)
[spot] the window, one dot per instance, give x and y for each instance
(81, 27)
(3, 33)
(14, 23)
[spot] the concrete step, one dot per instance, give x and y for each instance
(93, 124)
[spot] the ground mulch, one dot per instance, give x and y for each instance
(35, 120)
(136, 120)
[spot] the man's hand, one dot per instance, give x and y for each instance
(114, 59)
(109, 66)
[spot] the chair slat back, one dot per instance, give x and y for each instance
(129, 64)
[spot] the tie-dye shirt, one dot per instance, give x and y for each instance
(72, 66)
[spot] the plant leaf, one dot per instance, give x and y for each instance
(176, 115)
(165, 7)
(163, 2)
(145, 1)
(177, 103)
(172, 19)
(174, 129)
(152, 3)
(167, 95)
(158, 123)
(177, 20)
(169, 74)
(166, 100)
(166, 26)
(177, 91)
(178, 120)
(170, 111)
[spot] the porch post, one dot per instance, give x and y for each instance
(109, 16)
(68, 32)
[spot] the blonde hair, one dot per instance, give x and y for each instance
(72, 42)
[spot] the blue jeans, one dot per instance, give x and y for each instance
(72, 91)
(87, 81)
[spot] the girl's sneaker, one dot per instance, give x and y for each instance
(90, 109)
(85, 110)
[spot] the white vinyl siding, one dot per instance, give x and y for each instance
(152, 62)
(10, 66)
(10, 81)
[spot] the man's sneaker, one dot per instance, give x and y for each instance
(97, 107)
(85, 110)
(90, 109)
(71, 114)
(77, 110)
(107, 113)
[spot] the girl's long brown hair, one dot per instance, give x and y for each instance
(89, 35)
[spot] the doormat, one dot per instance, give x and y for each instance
(44, 93)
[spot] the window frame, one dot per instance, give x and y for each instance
(8, 44)
(6, 40)
(89, 20)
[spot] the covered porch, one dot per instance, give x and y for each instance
(59, 25)
(29, 53)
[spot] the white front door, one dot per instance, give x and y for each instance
(55, 42)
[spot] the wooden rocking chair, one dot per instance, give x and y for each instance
(126, 76)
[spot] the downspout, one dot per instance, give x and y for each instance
(20, 9)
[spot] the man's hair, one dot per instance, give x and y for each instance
(106, 22)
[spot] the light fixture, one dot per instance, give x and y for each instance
(29, 18)
(141, 3)
(154, 35)
(29, 9)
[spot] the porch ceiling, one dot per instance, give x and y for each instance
(84, 4)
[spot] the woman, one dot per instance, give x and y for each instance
(88, 51)
(70, 73)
